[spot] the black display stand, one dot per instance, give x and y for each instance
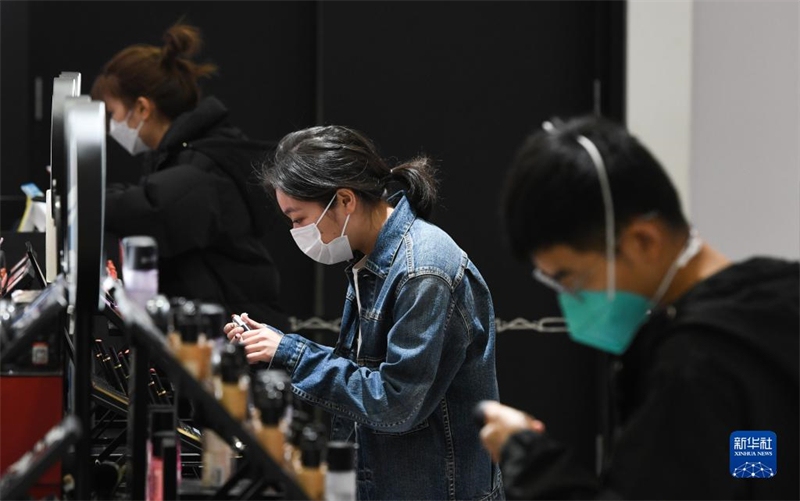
(26, 274)
(259, 467)
(20, 476)
(40, 314)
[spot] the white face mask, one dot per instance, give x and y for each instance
(126, 136)
(309, 239)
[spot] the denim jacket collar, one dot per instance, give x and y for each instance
(389, 238)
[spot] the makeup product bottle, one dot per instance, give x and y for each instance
(217, 459)
(172, 461)
(311, 475)
(215, 317)
(140, 268)
(193, 352)
(235, 380)
(211, 318)
(160, 311)
(173, 335)
(217, 454)
(301, 414)
(340, 478)
(161, 459)
(269, 397)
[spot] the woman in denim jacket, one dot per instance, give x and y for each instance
(416, 349)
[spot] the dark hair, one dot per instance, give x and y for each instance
(311, 164)
(164, 74)
(552, 192)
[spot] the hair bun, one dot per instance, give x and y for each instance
(181, 40)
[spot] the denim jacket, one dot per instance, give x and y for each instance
(426, 359)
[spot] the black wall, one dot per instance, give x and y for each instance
(463, 82)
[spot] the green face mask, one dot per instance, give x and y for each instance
(608, 320)
(608, 325)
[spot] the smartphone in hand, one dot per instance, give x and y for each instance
(238, 321)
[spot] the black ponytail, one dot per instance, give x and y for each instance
(418, 177)
(311, 164)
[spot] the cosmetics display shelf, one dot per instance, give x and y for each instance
(21, 475)
(257, 466)
(37, 321)
(110, 398)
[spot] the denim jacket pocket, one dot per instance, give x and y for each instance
(421, 426)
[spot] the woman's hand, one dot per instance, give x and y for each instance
(260, 340)
(501, 422)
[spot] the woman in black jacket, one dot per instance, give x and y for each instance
(196, 198)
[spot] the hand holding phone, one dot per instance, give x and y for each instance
(238, 321)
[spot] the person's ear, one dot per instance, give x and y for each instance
(145, 106)
(642, 242)
(347, 199)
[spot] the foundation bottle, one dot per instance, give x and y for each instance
(340, 478)
(217, 459)
(268, 389)
(235, 380)
(299, 420)
(194, 352)
(311, 475)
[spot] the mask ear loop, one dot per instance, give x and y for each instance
(139, 127)
(690, 249)
(326, 208)
(608, 205)
(128, 117)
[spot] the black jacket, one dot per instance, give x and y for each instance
(201, 202)
(724, 358)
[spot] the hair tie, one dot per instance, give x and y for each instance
(388, 177)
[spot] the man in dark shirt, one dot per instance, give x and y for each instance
(706, 350)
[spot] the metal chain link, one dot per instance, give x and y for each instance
(546, 324)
